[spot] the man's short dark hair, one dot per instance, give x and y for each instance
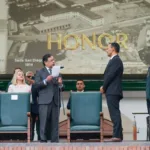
(116, 46)
(80, 80)
(45, 58)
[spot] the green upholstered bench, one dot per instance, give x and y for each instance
(85, 116)
(15, 113)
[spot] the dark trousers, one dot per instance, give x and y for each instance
(49, 115)
(113, 106)
(34, 122)
(148, 105)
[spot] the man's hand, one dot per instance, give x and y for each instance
(29, 81)
(49, 78)
(37, 118)
(102, 90)
(60, 80)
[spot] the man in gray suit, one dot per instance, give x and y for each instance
(49, 101)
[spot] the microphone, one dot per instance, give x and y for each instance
(61, 67)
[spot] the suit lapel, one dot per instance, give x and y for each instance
(46, 71)
(54, 80)
(110, 63)
(107, 66)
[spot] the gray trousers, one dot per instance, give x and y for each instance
(49, 118)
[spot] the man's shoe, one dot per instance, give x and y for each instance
(43, 141)
(113, 140)
(116, 140)
(55, 141)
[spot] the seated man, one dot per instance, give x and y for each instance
(80, 88)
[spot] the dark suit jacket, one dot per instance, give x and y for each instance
(148, 85)
(113, 77)
(69, 102)
(47, 92)
(35, 95)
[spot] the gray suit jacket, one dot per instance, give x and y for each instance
(48, 92)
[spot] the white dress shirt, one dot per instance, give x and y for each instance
(113, 56)
(48, 69)
(81, 91)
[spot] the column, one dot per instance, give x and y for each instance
(3, 35)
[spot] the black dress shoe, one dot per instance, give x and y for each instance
(43, 141)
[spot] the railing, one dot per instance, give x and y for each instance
(92, 85)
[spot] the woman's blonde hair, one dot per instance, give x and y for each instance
(14, 79)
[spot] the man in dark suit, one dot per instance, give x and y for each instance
(34, 105)
(80, 88)
(35, 113)
(112, 87)
(148, 90)
(49, 101)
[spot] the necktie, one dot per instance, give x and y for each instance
(50, 71)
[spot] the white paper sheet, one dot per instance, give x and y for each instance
(55, 71)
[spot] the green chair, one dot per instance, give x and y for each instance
(85, 120)
(15, 113)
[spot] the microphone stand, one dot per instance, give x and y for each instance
(62, 100)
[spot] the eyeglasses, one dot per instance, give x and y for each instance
(29, 76)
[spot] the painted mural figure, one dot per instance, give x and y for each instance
(143, 44)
